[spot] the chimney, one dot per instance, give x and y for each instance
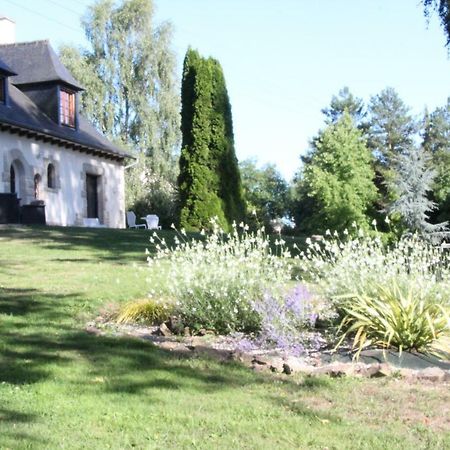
(7, 30)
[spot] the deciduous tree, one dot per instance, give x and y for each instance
(265, 190)
(129, 72)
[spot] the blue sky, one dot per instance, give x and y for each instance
(284, 59)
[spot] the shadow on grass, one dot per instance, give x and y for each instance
(105, 244)
(53, 347)
(28, 302)
(116, 245)
(7, 415)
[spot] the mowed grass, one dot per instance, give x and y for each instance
(61, 387)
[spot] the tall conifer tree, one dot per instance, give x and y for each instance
(436, 141)
(209, 180)
(413, 180)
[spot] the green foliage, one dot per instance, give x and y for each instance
(390, 132)
(413, 180)
(213, 282)
(148, 311)
(399, 317)
(391, 127)
(336, 185)
(436, 141)
(343, 264)
(442, 8)
(345, 101)
(209, 180)
(147, 192)
(266, 192)
(131, 87)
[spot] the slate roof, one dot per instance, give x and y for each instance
(5, 69)
(36, 62)
(21, 115)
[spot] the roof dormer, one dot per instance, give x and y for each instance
(5, 73)
(44, 79)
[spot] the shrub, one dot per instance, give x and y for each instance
(395, 295)
(284, 318)
(215, 281)
(342, 265)
(400, 317)
(147, 310)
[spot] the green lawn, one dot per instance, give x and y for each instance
(61, 387)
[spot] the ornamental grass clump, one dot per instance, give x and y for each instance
(150, 310)
(399, 317)
(215, 281)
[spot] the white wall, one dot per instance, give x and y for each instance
(66, 204)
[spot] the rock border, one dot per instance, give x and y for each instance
(265, 361)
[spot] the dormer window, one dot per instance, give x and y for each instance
(67, 108)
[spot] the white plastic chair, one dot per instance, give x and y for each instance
(131, 221)
(152, 222)
(93, 223)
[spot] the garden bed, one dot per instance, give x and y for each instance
(315, 360)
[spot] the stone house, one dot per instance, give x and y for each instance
(49, 154)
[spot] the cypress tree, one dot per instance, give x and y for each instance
(222, 143)
(209, 180)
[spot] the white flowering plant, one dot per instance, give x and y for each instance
(353, 269)
(339, 264)
(214, 281)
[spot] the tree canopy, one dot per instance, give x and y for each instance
(413, 181)
(131, 92)
(345, 101)
(266, 191)
(336, 187)
(391, 126)
(436, 141)
(442, 8)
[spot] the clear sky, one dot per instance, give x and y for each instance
(284, 59)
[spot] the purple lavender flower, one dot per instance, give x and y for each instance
(283, 318)
(246, 345)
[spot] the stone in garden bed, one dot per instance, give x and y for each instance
(371, 364)
(407, 360)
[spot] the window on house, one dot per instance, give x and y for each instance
(51, 176)
(67, 108)
(12, 180)
(2, 89)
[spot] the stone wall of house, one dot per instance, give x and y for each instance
(66, 201)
